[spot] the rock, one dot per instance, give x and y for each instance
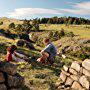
(75, 65)
(64, 49)
(69, 81)
(76, 48)
(86, 64)
(61, 87)
(63, 76)
(67, 74)
(76, 86)
(84, 82)
(74, 77)
(15, 81)
(8, 68)
(1, 78)
(65, 68)
(81, 70)
(84, 41)
(3, 87)
(86, 72)
(72, 71)
(16, 89)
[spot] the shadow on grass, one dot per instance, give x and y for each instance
(55, 68)
(25, 88)
(36, 65)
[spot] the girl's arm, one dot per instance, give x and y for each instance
(16, 58)
(20, 55)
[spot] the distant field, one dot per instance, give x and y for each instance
(80, 30)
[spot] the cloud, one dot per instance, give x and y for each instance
(76, 11)
(83, 5)
(21, 12)
(81, 8)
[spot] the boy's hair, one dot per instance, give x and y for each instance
(46, 40)
(11, 49)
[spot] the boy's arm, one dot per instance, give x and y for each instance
(46, 49)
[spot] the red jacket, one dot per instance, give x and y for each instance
(9, 56)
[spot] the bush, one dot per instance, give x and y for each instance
(12, 25)
(40, 76)
(39, 42)
(54, 35)
(1, 23)
(70, 34)
(24, 36)
(2, 31)
(62, 32)
(84, 56)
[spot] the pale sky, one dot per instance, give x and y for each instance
(22, 9)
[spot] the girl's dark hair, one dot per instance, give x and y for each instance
(11, 49)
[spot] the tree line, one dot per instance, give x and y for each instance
(62, 20)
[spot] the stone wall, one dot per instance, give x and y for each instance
(9, 78)
(75, 77)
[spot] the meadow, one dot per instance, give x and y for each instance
(82, 30)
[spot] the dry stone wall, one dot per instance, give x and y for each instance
(9, 78)
(76, 76)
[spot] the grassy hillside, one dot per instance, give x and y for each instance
(6, 21)
(44, 77)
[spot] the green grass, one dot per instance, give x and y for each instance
(80, 30)
(44, 77)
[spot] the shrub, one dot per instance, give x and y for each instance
(70, 34)
(40, 76)
(12, 25)
(24, 36)
(62, 32)
(54, 35)
(1, 23)
(39, 42)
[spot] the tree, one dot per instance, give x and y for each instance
(75, 21)
(12, 26)
(19, 28)
(50, 21)
(35, 24)
(1, 23)
(26, 26)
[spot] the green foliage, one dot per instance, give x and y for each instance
(39, 42)
(1, 23)
(40, 76)
(84, 56)
(11, 26)
(67, 61)
(80, 54)
(18, 29)
(3, 48)
(56, 35)
(63, 20)
(70, 34)
(35, 25)
(26, 26)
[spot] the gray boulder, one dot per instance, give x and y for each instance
(15, 81)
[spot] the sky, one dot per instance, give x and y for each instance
(29, 9)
